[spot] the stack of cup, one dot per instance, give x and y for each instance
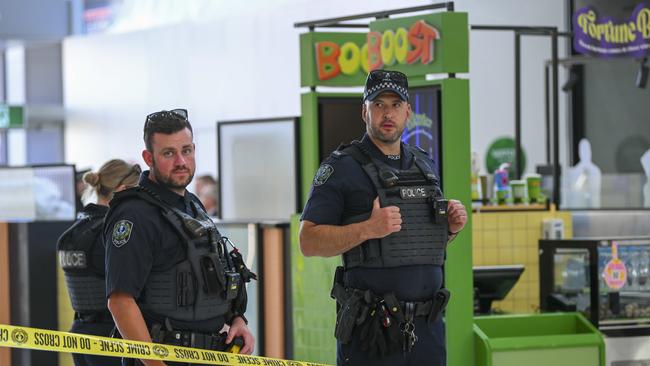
(534, 182)
(518, 191)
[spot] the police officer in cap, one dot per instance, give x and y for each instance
(170, 276)
(81, 255)
(378, 203)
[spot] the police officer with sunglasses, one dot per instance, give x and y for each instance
(378, 203)
(170, 276)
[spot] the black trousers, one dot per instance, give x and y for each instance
(102, 329)
(429, 350)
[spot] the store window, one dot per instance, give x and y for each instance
(617, 125)
(610, 118)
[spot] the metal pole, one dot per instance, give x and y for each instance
(556, 135)
(379, 14)
(547, 116)
(518, 166)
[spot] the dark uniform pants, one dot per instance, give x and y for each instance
(102, 329)
(429, 350)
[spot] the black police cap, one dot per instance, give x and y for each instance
(379, 81)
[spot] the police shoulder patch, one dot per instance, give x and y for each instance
(323, 173)
(122, 232)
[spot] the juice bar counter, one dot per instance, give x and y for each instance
(608, 281)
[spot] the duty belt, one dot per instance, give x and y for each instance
(343, 294)
(94, 316)
(195, 340)
(183, 338)
(382, 317)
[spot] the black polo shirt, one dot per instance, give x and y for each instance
(347, 192)
(151, 246)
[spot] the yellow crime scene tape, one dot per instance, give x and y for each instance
(56, 341)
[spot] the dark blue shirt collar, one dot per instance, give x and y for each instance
(180, 202)
(406, 157)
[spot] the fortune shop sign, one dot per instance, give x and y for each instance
(601, 35)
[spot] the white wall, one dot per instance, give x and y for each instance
(244, 63)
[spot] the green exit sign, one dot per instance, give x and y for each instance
(11, 116)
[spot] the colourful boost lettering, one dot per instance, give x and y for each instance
(387, 48)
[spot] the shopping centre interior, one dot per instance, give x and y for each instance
(536, 113)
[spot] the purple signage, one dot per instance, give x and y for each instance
(607, 37)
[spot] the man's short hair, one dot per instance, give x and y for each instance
(167, 122)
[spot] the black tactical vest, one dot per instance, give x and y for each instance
(75, 247)
(197, 288)
(416, 191)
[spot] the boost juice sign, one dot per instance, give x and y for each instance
(435, 43)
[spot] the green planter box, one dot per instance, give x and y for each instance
(558, 339)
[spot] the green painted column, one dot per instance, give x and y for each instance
(456, 168)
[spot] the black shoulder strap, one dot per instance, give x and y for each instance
(358, 151)
(419, 158)
(168, 212)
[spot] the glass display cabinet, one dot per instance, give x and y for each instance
(606, 279)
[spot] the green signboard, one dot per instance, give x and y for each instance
(333, 59)
(425, 44)
(502, 150)
(420, 45)
(11, 116)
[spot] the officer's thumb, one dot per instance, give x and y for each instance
(375, 204)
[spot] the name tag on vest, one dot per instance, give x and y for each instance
(72, 259)
(408, 193)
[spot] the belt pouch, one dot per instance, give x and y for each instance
(346, 318)
(440, 300)
(212, 271)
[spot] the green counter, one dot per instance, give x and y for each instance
(558, 339)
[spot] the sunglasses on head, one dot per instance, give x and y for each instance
(379, 75)
(178, 113)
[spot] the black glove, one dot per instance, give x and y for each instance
(372, 335)
(394, 337)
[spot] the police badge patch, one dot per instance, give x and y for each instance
(122, 232)
(323, 174)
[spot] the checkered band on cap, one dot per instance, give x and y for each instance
(385, 85)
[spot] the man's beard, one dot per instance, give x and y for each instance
(169, 182)
(387, 139)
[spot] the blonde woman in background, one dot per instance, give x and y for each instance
(81, 255)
